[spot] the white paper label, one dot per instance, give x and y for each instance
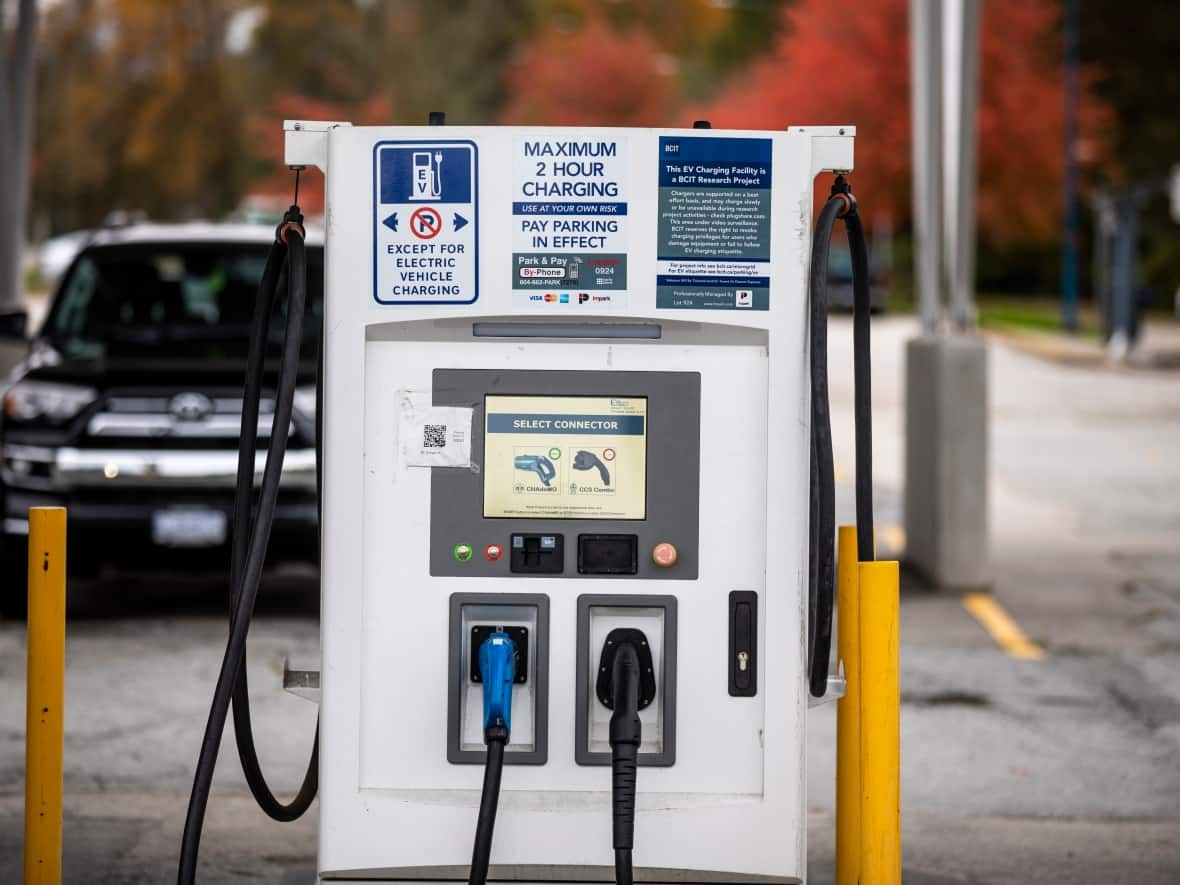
(432, 436)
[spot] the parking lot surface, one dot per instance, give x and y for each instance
(1061, 769)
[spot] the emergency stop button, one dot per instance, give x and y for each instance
(664, 554)
(493, 552)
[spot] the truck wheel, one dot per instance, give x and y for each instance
(14, 581)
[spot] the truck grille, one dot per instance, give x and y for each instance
(213, 422)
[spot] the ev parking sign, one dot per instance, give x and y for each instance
(425, 222)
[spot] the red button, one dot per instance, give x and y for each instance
(492, 552)
(664, 554)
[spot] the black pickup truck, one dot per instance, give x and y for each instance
(127, 406)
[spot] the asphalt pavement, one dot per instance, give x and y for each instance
(1062, 769)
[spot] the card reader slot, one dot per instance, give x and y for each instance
(542, 554)
(608, 554)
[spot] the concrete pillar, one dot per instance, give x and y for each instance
(946, 461)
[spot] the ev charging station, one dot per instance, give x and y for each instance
(567, 441)
(640, 295)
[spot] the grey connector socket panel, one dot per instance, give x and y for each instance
(655, 615)
(529, 740)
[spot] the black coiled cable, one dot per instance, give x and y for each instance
(247, 559)
(822, 491)
(268, 290)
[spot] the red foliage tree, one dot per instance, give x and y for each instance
(831, 67)
(275, 186)
(591, 76)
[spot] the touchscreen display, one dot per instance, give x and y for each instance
(565, 457)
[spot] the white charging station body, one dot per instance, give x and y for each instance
(661, 282)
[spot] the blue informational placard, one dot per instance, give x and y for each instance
(425, 222)
(714, 223)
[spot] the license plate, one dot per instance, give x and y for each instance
(188, 528)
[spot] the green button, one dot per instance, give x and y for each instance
(463, 552)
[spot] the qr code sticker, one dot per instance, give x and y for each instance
(434, 436)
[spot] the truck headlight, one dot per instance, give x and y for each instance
(305, 402)
(45, 400)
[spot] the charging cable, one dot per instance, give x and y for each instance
(626, 732)
(287, 260)
(822, 569)
(497, 670)
(626, 684)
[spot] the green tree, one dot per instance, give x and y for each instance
(1130, 54)
(692, 44)
(324, 51)
(142, 107)
(447, 55)
(412, 57)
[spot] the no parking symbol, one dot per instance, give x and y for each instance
(425, 222)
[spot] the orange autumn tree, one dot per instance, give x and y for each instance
(273, 187)
(830, 66)
(593, 75)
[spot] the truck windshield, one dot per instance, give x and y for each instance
(181, 298)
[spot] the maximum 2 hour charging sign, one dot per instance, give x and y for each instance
(425, 222)
(569, 219)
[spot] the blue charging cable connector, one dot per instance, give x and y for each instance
(497, 670)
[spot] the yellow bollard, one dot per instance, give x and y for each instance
(848, 712)
(44, 717)
(880, 725)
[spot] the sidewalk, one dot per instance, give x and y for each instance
(1158, 347)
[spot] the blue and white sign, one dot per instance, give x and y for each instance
(713, 233)
(425, 222)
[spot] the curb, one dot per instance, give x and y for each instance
(1068, 351)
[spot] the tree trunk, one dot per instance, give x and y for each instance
(16, 118)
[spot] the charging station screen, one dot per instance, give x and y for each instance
(565, 457)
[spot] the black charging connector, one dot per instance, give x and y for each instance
(626, 684)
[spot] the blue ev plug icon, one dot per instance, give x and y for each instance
(537, 464)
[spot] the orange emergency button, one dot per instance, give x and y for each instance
(664, 554)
